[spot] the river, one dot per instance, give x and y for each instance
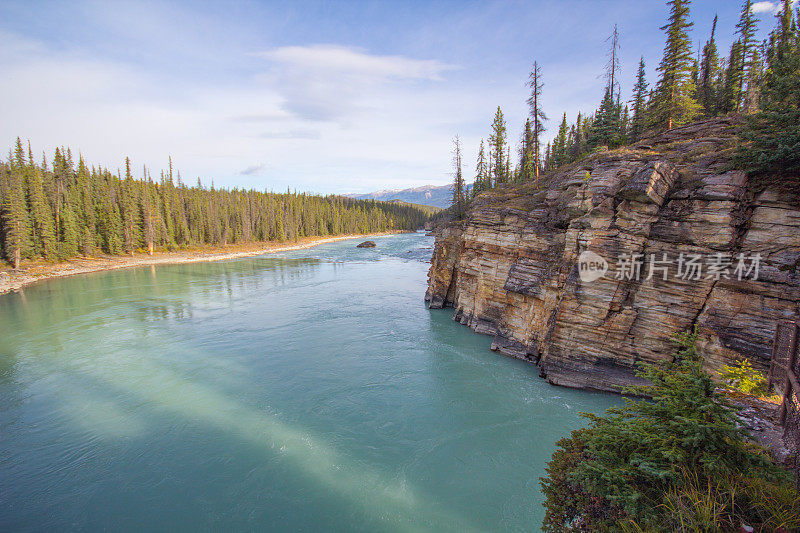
(308, 390)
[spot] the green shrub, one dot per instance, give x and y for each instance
(744, 378)
(674, 462)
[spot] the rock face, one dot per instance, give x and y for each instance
(510, 269)
(366, 244)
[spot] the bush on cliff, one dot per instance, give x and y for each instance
(742, 377)
(677, 462)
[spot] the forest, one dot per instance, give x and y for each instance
(58, 210)
(759, 80)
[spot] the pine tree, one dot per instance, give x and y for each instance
(771, 139)
(709, 72)
(458, 204)
(607, 126)
(481, 173)
(69, 232)
(674, 103)
(729, 95)
(17, 236)
(526, 161)
(746, 27)
(558, 150)
(44, 237)
(497, 142)
(639, 101)
(537, 115)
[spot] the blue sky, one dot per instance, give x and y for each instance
(323, 96)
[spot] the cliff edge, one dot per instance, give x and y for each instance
(686, 243)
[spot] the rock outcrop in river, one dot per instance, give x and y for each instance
(510, 269)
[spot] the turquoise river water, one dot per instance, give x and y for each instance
(309, 390)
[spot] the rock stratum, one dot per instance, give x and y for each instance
(510, 268)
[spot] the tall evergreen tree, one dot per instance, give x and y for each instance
(17, 236)
(537, 115)
(772, 137)
(526, 160)
(709, 72)
(44, 237)
(497, 144)
(481, 173)
(459, 202)
(558, 150)
(674, 103)
(746, 29)
(729, 95)
(607, 126)
(639, 102)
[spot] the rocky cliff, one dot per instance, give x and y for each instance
(511, 268)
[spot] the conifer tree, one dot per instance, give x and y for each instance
(526, 160)
(639, 101)
(69, 233)
(17, 236)
(481, 173)
(44, 238)
(558, 150)
(674, 103)
(709, 72)
(458, 204)
(729, 95)
(746, 29)
(537, 115)
(772, 136)
(607, 126)
(497, 142)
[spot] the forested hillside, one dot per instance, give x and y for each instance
(60, 210)
(759, 80)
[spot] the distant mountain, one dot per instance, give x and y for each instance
(433, 195)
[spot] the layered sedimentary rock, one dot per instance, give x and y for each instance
(510, 269)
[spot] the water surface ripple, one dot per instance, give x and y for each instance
(308, 390)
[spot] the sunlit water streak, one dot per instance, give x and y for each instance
(306, 390)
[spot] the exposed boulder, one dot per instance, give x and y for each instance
(366, 244)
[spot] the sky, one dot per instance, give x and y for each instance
(317, 96)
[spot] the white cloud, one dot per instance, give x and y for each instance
(766, 7)
(346, 61)
(331, 83)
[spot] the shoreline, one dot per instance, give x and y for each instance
(11, 280)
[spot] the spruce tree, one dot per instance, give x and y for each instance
(674, 103)
(729, 95)
(526, 161)
(481, 173)
(607, 126)
(17, 236)
(44, 237)
(709, 72)
(497, 143)
(458, 204)
(639, 101)
(746, 29)
(771, 138)
(537, 115)
(558, 150)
